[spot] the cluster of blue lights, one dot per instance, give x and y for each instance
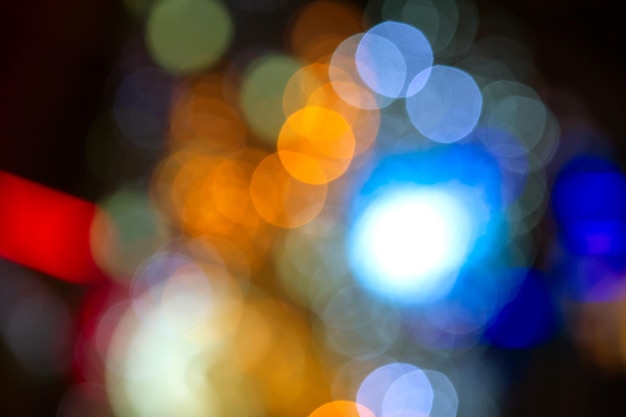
(457, 187)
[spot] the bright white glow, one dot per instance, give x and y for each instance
(151, 366)
(410, 242)
(167, 338)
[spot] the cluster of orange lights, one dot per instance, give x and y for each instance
(217, 186)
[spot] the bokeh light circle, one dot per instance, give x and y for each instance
(409, 395)
(409, 242)
(188, 36)
(341, 408)
(448, 106)
(282, 200)
(346, 80)
(380, 393)
(316, 145)
(261, 96)
(390, 56)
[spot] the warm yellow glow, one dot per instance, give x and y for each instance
(282, 200)
(316, 145)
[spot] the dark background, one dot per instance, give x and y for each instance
(56, 64)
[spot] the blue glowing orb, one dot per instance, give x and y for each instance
(589, 204)
(411, 240)
(420, 218)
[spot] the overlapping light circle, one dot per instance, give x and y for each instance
(447, 106)
(390, 56)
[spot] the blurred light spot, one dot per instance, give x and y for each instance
(282, 200)
(478, 383)
(448, 107)
(125, 232)
(142, 104)
(345, 78)
(592, 278)
(365, 123)
(46, 230)
(527, 320)
(356, 325)
(272, 347)
(316, 145)
(188, 36)
(149, 369)
(209, 196)
(200, 114)
(186, 289)
(390, 56)
(377, 395)
(262, 94)
(35, 323)
(523, 117)
(438, 20)
(458, 321)
(466, 29)
(311, 265)
(341, 408)
(589, 203)
(320, 26)
(171, 335)
(302, 85)
(410, 241)
(409, 395)
(445, 398)
(381, 65)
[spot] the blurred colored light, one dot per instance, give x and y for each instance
(390, 56)
(267, 332)
(589, 203)
(523, 117)
(46, 230)
(209, 197)
(438, 20)
(448, 106)
(316, 145)
(302, 84)
(445, 398)
(200, 114)
(341, 408)
(149, 368)
(396, 388)
(345, 78)
(282, 200)
(527, 320)
(365, 123)
(357, 325)
(262, 94)
(125, 232)
(188, 36)
(409, 395)
(410, 242)
(458, 321)
(320, 26)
